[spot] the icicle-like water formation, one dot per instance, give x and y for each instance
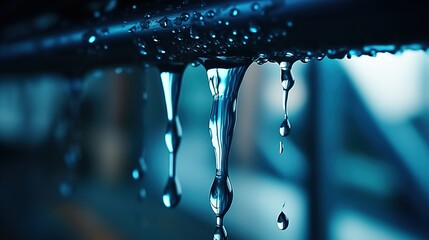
(287, 83)
(171, 82)
(224, 85)
(72, 154)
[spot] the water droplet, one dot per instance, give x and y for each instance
(194, 32)
(234, 12)
(290, 24)
(92, 38)
(282, 221)
(211, 14)
(144, 24)
(281, 147)
(253, 28)
(164, 22)
(134, 7)
(255, 6)
(184, 17)
(178, 21)
(105, 31)
(172, 193)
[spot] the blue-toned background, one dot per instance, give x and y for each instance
(355, 165)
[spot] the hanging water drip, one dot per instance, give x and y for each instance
(171, 83)
(224, 85)
(287, 82)
(72, 154)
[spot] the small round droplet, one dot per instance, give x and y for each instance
(234, 12)
(184, 17)
(172, 193)
(255, 6)
(253, 28)
(282, 221)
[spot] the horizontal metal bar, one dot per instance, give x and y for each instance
(171, 35)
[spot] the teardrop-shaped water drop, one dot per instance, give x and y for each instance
(172, 193)
(285, 128)
(282, 221)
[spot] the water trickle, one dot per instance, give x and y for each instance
(282, 221)
(171, 83)
(224, 85)
(287, 83)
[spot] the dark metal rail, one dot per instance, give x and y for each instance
(221, 33)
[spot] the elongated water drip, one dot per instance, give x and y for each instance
(224, 85)
(171, 83)
(287, 83)
(72, 154)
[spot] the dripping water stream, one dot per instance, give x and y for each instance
(287, 82)
(171, 83)
(224, 85)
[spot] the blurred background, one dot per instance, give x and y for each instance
(354, 166)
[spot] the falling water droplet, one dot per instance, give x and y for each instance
(142, 193)
(282, 221)
(281, 147)
(172, 193)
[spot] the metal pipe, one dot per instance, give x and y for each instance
(222, 34)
